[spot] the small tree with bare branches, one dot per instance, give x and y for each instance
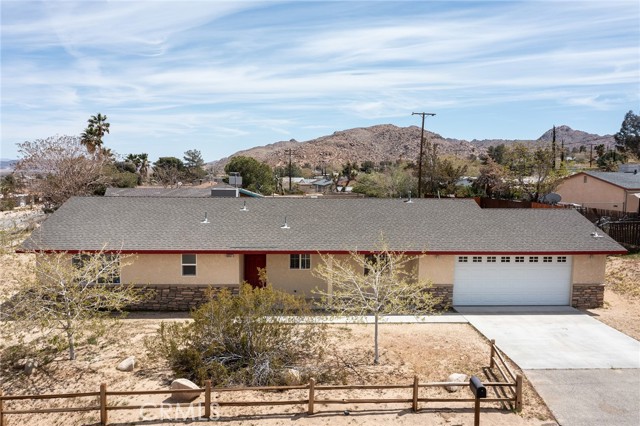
(61, 167)
(65, 297)
(381, 283)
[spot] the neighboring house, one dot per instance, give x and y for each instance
(322, 185)
(473, 256)
(617, 191)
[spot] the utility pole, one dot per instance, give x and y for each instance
(289, 152)
(591, 155)
(553, 148)
(423, 114)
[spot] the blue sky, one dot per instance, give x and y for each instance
(225, 76)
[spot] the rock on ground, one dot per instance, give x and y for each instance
(127, 364)
(184, 396)
(457, 377)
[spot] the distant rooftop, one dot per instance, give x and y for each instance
(623, 180)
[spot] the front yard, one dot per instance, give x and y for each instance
(432, 351)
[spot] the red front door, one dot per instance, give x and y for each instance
(252, 263)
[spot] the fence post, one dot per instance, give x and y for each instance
(103, 404)
(415, 394)
(493, 352)
(312, 385)
(518, 392)
(1, 410)
(207, 399)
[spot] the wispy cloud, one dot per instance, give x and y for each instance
(223, 76)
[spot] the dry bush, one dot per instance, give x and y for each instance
(245, 339)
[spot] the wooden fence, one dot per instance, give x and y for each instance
(624, 232)
(595, 214)
(507, 390)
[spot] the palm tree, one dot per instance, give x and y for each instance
(141, 161)
(92, 135)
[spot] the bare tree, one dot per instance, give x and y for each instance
(61, 167)
(65, 297)
(381, 283)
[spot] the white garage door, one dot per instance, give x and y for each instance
(512, 280)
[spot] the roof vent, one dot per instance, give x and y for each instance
(409, 200)
(285, 226)
(244, 207)
(206, 220)
(595, 234)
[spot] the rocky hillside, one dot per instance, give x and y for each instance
(385, 142)
(571, 137)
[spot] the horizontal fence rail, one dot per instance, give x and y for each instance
(510, 381)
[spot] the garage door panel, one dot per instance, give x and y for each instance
(530, 281)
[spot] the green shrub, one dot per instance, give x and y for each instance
(243, 339)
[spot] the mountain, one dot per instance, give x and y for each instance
(576, 137)
(386, 142)
(6, 166)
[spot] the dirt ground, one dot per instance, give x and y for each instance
(621, 308)
(432, 351)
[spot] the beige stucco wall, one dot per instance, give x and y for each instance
(588, 269)
(296, 281)
(596, 193)
(167, 269)
(438, 269)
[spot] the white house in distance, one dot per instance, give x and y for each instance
(473, 256)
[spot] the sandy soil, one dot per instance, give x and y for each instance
(433, 351)
(621, 308)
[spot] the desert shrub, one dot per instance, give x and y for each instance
(245, 339)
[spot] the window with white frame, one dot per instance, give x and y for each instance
(477, 259)
(561, 259)
(519, 259)
(300, 261)
(533, 259)
(463, 259)
(547, 259)
(188, 265)
(505, 259)
(491, 259)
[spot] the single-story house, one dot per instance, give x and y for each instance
(617, 191)
(473, 256)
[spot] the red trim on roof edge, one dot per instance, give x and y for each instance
(408, 252)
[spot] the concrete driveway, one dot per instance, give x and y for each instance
(587, 372)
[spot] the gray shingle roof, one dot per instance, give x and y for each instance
(161, 192)
(139, 224)
(624, 180)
